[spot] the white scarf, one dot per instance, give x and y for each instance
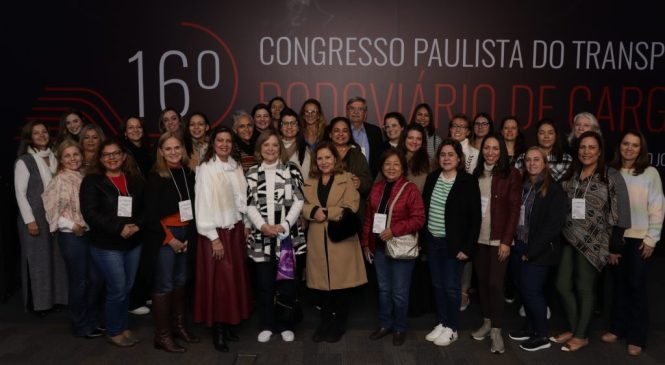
(221, 194)
(45, 171)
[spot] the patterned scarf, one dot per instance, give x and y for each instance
(61, 199)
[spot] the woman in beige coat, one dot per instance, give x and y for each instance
(332, 267)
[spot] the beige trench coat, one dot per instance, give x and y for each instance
(343, 260)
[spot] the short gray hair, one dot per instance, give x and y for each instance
(240, 114)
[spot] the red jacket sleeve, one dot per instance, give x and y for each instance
(367, 234)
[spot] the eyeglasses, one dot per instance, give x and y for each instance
(457, 126)
(117, 153)
(482, 124)
(354, 109)
(290, 124)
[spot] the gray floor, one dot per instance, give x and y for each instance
(25, 339)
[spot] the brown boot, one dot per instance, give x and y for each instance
(161, 311)
(179, 317)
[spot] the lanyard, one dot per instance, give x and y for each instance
(116, 187)
(587, 185)
(176, 185)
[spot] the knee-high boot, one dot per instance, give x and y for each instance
(161, 311)
(179, 317)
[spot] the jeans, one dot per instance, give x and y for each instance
(85, 283)
(629, 317)
(394, 278)
(515, 266)
(532, 290)
(171, 267)
(446, 280)
(118, 269)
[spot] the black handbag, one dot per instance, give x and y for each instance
(287, 310)
(344, 228)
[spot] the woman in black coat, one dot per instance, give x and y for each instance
(112, 205)
(170, 228)
(537, 246)
(452, 207)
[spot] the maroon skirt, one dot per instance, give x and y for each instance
(223, 289)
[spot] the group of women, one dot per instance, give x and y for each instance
(296, 196)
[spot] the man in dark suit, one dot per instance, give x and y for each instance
(368, 136)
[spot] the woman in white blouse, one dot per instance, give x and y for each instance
(43, 270)
(223, 297)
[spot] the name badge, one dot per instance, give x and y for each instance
(484, 202)
(522, 215)
(579, 209)
(125, 206)
(379, 223)
(186, 213)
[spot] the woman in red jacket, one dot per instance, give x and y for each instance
(500, 194)
(408, 216)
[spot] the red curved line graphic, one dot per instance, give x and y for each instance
(84, 114)
(86, 102)
(90, 91)
(233, 65)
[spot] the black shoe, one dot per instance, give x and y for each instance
(230, 333)
(335, 334)
(399, 338)
(535, 344)
(95, 333)
(380, 333)
(520, 335)
(218, 339)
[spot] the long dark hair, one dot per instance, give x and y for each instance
(419, 163)
(642, 161)
(345, 120)
(63, 132)
(502, 166)
(558, 148)
(26, 136)
(314, 171)
(210, 152)
(301, 145)
(519, 140)
(576, 165)
(430, 127)
(187, 137)
(473, 124)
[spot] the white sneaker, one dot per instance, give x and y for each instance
(148, 302)
(549, 314)
(140, 310)
(446, 337)
(288, 336)
(522, 312)
(436, 332)
(264, 336)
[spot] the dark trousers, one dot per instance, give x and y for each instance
(515, 268)
(491, 274)
(532, 290)
(334, 306)
(629, 317)
(446, 281)
(267, 286)
(85, 282)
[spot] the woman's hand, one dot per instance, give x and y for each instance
(356, 181)
(462, 256)
(33, 228)
(248, 232)
(320, 215)
(269, 231)
(646, 250)
(524, 258)
(178, 246)
(128, 230)
(78, 230)
(369, 256)
(217, 249)
(504, 252)
(614, 259)
(386, 234)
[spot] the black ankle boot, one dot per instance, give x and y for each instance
(230, 333)
(218, 338)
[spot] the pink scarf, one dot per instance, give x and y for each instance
(61, 199)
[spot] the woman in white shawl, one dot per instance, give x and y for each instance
(43, 270)
(223, 294)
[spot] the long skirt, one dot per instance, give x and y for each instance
(222, 291)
